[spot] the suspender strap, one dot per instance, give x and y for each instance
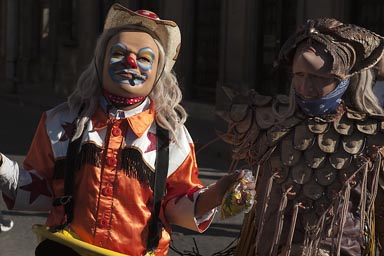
(69, 180)
(161, 171)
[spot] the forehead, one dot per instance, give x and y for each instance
(134, 40)
(311, 57)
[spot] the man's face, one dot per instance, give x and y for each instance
(311, 71)
(130, 64)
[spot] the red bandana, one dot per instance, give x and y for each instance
(120, 100)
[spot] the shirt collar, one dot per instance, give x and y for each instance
(139, 118)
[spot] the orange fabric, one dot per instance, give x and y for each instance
(99, 119)
(112, 210)
(42, 159)
(139, 123)
(179, 181)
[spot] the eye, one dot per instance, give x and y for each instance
(118, 54)
(144, 60)
(118, 50)
(145, 55)
(299, 74)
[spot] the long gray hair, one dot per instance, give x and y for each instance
(165, 94)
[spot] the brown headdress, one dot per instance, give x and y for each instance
(352, 48)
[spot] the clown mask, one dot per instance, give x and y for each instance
(130, 66)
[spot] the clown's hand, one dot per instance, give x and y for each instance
(239, 196)
(8, 174)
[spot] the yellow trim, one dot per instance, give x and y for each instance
(66, 238)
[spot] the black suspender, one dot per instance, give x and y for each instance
(69, 180)
(161, 171)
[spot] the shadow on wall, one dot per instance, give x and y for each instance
(20, 116)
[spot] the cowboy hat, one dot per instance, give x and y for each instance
(166, 31)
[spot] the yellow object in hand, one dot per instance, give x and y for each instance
(238, 199)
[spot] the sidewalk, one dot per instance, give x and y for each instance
(22, 113)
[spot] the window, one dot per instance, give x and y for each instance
(206, 50)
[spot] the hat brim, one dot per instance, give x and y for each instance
(165, 30)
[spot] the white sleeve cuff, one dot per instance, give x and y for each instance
(9, 176)
(17, 184)
(181, 212)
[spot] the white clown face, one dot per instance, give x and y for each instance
(130, 64)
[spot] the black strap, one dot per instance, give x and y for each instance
(69, 180)
(161, 171)
(69, 176)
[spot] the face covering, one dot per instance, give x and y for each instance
(325, 105)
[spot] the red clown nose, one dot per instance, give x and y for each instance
(131, 62)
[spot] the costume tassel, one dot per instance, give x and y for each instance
(89, 154)
(375, 183)
(321, 227)
(363, 198)
(370, 233)
(134, 166)
(279, 224)
(292, 229)
(343, 217)
(245, 246)
(313, 237)
(263, 211)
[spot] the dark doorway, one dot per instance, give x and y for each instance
(205, 70)
(369, 14)
(278, 22)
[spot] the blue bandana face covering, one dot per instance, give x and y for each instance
(325, 105)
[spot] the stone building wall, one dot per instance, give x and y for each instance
(45, 44)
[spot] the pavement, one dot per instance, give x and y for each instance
(20, 114)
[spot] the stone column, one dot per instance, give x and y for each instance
(27, 66)
(182, 12)
(311, 9)
(238, 47)
(89, 20)
(3, 17)
(11, 43)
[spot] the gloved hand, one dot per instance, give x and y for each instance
(214, 195)
(239, 197)
(9, 174)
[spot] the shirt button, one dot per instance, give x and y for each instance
(111, 161)
(116, 132)
(103, 223)
(107, 191)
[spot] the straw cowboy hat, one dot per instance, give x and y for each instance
(166, 31)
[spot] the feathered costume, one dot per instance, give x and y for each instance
(319, 179)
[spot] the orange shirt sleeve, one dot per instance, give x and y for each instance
(40, 155)
(183, 189)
